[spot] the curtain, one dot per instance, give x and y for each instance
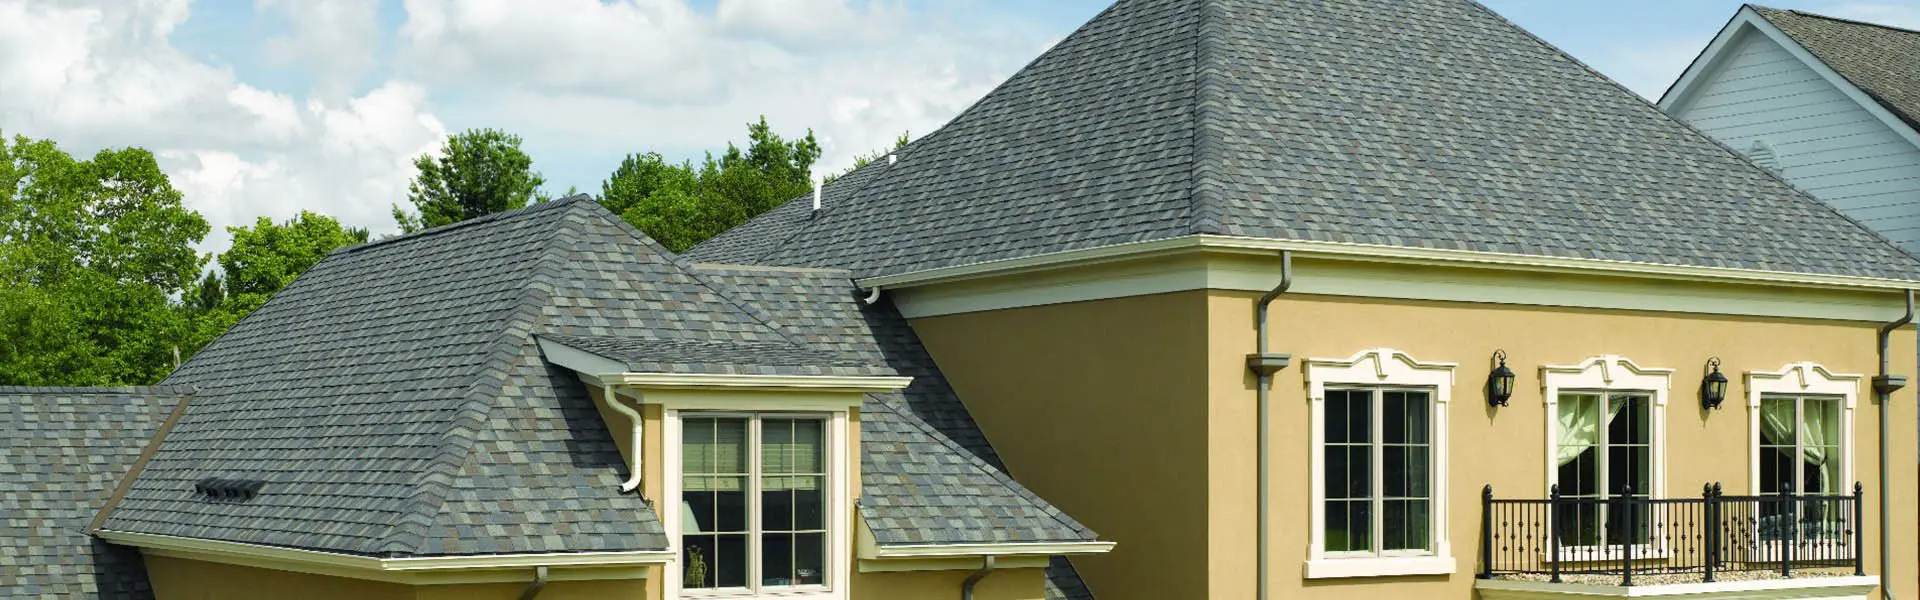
(1819, 430)
(1580, 424)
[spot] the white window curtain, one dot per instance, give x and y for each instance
(1819, 432)
(1580, 424)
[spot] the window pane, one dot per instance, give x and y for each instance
(697, 560)
(809, 554)
(1406, 417)
(776, 509)
(1338, 403)
(696, 515)
(731, 561)
(806, 508)
(809, 446)
(1407, 525)
(730, 504)
(1348, 524)
(1776, 468)
(776, 446)
(1359, 472)
(1337, 472)
(1629, 422)
(776, 559)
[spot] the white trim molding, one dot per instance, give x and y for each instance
(1378, 368)
(1802, 379)
(602, 371)
(476, 568)
(1803, 588)
(1748, 22)
(959, 550)
(1608, 373)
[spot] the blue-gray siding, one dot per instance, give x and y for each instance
(1822, 140)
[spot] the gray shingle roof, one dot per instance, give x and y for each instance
(63, 452)
(721, 357)
(1427, 124)
(1878, 59)
(395, 402)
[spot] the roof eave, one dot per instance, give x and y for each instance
(476, 568)
(601, 370)
(1378, 253)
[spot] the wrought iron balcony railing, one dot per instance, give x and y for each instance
(1630, 536)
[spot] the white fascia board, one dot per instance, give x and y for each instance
(1036, 549)
(399, 570)
(1749, 20)
(1379, 253)
(792, 382)
(599, 370)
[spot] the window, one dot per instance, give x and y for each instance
(1379, 471)
(1802, 423)
(1604, 448)
(753, 502)
(1379, 450)
(1800, 445)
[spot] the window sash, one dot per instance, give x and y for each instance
(1375, 448)
(1833, 465)
(756, 478)
(1591, 524)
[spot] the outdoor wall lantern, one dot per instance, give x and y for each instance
(1500, 382)
(1713, 390)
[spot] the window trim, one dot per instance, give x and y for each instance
(1605, 374)
(1799, 380)
(837, 509)
(1378, 368)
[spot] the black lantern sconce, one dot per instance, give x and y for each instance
(1713, 389)
(1500, 382)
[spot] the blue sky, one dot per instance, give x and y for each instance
(264, 107)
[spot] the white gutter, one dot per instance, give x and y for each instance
(241, 550)
(1378, 253)
(709, 381)
(950, 550)
(639, 437)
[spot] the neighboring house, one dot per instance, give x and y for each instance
(1831, 105)
(1312, 299)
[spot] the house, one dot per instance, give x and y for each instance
(1316, 299)
(1831, 105)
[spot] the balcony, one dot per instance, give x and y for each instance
(1711, 546)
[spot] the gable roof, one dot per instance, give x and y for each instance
(63, 452)
(1878, 59)
(1435, 125)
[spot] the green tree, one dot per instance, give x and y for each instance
(92, 252)
(268, 256)
(899, 144)
(683, 205)
(476, 173)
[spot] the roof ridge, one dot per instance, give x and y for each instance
(429, 496)
(1205, 202)
(1815, 15)
(480, 220)
(997, 474)
(105, 390)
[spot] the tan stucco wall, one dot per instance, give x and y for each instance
(182, 579)
(1099, 407)
(1003, 584)
(1506, 447)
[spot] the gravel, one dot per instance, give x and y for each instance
(1640, 579)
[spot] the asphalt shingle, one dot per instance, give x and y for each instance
(1878, 59)
(63, 452)
(1432, 124)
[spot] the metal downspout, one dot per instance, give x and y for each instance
(533, 587)
(639, 439)
(1884, 385)
(966, 587)
(1264, 365)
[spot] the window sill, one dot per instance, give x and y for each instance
(793, 593)
(1386, 566)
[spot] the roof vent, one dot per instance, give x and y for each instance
(215, 489)
(817, 185)
(1761, 153)
(892, 158)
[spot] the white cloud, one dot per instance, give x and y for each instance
(633, 75)
(339, 39)
(105, 75)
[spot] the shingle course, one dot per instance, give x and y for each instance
(1434, 124)
(63, 451)
(1878, 59)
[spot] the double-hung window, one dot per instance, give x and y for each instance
(1379, 461)
(754, 499)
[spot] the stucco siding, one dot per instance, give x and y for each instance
(1822, 140)
(1004, 584)
(1100, 408)
(1505, 447)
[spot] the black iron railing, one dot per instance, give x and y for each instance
(1627, 535)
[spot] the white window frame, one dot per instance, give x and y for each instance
(1603, 375)
(1802, 379)
(1379, 368)
(837, 511)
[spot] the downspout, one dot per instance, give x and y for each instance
(1884, 385)
(533, 587)
(966, 587)
(1264, 365)
(639, 437)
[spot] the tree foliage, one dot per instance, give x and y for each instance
(268, 256)
(680, 205)
(477, 172)
(899, 143)
(92, 253)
